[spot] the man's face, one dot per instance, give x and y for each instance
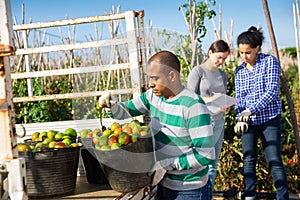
(159, 80)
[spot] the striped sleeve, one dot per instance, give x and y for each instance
(131, 108)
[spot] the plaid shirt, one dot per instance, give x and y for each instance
(258, 90)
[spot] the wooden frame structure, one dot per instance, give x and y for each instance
(134, 40)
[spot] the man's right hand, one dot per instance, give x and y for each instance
(104, 100)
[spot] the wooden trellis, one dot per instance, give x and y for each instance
(133, 40)
(125, 64)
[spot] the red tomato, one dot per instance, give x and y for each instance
(290, 162)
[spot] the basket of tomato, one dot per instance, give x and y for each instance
(125, 153)
(50, 170)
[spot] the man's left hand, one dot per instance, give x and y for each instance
(158, 176)
(160, 168)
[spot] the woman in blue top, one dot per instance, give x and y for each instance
(257, 84)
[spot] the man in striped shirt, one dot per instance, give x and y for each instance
(180, 123)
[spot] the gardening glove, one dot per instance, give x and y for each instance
(106, 100)
(241, 127)
(244, 116)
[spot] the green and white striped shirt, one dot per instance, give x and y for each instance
(183, 132)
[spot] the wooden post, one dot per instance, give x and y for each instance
(8, 149)
(142, 51)
(133, 53)
(296, 24)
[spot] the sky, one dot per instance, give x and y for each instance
(165, 14)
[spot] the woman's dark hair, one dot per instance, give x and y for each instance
(253, 37)
(219, 46)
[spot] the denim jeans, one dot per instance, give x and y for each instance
(218, 131)
(270, 134)
(204, 193)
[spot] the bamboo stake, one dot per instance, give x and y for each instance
(296, 25)
(229, 39)
(41, 59)
(150, 40)
(69, 41)
(18, 41)
(218, 35)
(73, 39)
(20, 63)
(97, 59)
(298, 59)
(194, 32)
(62, 42)
(23, 13)
(283, 80)
(220, 22)
(17, 35)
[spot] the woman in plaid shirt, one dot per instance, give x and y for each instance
(257, 83)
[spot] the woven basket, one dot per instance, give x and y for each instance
(126, 168)
(92, 167)
(52, 172)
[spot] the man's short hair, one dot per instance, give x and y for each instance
(167, 59)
